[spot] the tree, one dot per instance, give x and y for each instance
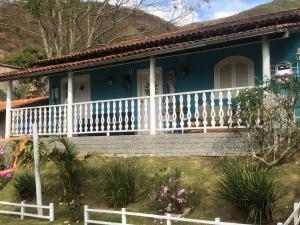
(23, 58)
(76, 25)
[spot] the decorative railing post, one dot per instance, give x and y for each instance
(70, 104)
(152, 97)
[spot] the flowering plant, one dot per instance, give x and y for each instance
(4, 178)
(172, 197)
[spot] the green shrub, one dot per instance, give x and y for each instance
(251, 188)
(71, 173)
(24, 184)
(121, 182)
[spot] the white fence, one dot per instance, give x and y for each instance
(295, 216)
(124, 214)
(22, 213)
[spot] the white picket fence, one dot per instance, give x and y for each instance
(168, 218)
(22, 213)
(295, 216)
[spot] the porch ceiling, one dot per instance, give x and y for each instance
(188, 40)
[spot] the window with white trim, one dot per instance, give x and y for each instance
(234, 71)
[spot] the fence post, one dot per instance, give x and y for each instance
(22, 209)
(217, 221)
(51, 212)
(296, 210)
(124, 221)
(86, 214)
(169, 221)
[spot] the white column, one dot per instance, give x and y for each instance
(266, 58)
(8, 109)
(152, 96)
(70, 103)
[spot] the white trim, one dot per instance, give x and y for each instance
(8, 109)
(266, 58)
(232, 60)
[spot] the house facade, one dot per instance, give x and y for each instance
(182, 82)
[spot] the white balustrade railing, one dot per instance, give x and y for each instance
(179, 111)
(112, 116)
(198, 109)
(49, 119)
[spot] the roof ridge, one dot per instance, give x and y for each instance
(170, 35)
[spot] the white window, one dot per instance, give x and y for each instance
(234, 71)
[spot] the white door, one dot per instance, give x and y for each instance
(81, 89)
(143, 89)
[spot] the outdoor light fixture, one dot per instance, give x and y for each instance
(110, 81)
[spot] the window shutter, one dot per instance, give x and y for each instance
(226, 76)
(241, 75)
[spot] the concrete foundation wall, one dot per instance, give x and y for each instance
(200, 144)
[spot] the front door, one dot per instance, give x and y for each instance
(81, 89)
(143, 89)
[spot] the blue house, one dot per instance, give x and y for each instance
(181, 82)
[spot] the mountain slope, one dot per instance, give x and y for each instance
(274, 6)
(13, 38)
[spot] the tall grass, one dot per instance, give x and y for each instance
(121, 182)
(251, 188)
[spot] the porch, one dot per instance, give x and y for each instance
(184, 112)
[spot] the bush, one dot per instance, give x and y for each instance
(121, 182)
(251, 188)
(171, 196)
(71, 173)
(24, 184)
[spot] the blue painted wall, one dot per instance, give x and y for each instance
(200, 65)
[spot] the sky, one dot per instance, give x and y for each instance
(215, 9)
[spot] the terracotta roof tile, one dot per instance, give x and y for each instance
(236, 28)
(24, 102)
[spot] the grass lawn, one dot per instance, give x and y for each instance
(200, 173)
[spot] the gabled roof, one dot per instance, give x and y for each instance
(208, 34)
(25, 102)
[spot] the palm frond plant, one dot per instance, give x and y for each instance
(71, 171)
(24, 184)
(253, 189)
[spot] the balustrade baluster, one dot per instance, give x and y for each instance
(102, 116)
(132, 119)
(160, 115)
(239, 121)
(181, 115)
(167, 113)
(60, 119)
(54, 119)
(229, 111)
(120, 115)
(30, 121)
(221, 111)
(146, 114)
(197, 115)
(189, 114)
(45, 120)
(114, 120)
(17, 122)
(126, 115)
(97, 116)
(21, 122)
(213, 113)
(80, 118)
(40, 117)
(108, 117)
(75, 128)
(26, 122)
(13, 125)
(139, 115)
(174, 115)
(86, 121)
(91, 117)
(204, 113)
(49, 120)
